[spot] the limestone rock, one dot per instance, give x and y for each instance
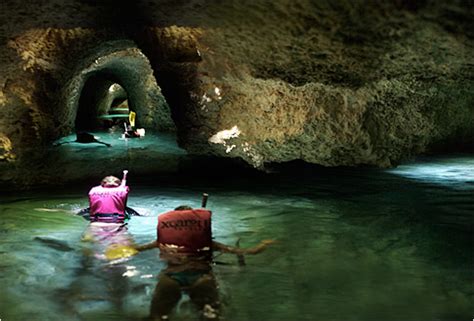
(329, 82)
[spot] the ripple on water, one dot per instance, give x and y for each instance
(376, 245)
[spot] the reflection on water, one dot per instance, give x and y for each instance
(353, 245)
(157, 143)
(69, 160)
(448, 171)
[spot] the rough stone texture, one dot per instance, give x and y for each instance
(334, 83)
(131, 68)
(330, 82)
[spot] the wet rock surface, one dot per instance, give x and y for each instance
(328, 82)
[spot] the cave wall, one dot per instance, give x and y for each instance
(332, 82)
(329, 82)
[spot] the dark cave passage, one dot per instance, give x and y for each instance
(113, 99)
(110, 84)
(103, 104)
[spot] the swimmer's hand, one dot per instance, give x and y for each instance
(124, 178)
(117, 251)
(260, 247)
(267, 242)
(240, 251)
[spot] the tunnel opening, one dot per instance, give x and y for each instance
(108, 84)
(103, 104)
(99, 99)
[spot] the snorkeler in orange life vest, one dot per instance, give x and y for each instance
(188, 230)
(184, 238)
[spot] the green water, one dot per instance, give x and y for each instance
(352, 245)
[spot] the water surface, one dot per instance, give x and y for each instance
(352, 245)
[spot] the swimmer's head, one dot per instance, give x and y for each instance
(183, 208)
(110, 181)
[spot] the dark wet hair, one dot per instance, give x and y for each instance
(110, 181)
(183, 208)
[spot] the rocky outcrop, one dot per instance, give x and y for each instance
(44, 98)
(329, 82)
(332, 83)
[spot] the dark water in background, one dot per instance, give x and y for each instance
(353, 244)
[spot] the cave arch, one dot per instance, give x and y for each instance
(101, 96)
(118, 62)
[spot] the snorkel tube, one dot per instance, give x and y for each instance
(240, 257)
(204, 200)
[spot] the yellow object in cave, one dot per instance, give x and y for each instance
(117, 251)
(131, 118)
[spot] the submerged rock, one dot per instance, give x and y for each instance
(56, 244)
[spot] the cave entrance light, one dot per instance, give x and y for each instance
(103, 104)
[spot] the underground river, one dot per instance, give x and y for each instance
(352, 244)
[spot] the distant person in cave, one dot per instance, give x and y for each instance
(130, 132)
(184, 239)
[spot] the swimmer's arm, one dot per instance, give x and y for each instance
(236, 250)
(124, 179)
(147, 246)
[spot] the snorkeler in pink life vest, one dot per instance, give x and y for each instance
(108, 200)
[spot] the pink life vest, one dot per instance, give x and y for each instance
(107, 204)
(189, 229)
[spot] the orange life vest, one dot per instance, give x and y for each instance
(189, 229)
